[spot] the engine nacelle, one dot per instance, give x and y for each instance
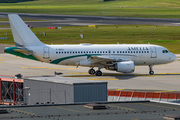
(124, 67)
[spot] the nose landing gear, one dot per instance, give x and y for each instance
(151, 72)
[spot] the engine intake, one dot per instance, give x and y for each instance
(124, 67)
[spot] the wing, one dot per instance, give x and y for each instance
(104, 59)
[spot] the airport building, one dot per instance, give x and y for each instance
(47, 90)
(50, 90)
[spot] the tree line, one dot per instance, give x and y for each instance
(13, 1)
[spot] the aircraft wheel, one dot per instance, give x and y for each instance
(91, 71)
(151, 72)
(98, 73)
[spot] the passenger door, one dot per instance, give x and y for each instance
(46, 53)
(153, 52)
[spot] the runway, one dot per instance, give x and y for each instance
(53, 20)
(166, 77)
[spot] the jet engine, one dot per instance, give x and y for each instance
(124, 67)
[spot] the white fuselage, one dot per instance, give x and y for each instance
(141, 54)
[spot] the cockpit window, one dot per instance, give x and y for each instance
(165, 51)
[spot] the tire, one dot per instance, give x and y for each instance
(91, 71)
(98, 73)
(151, 72)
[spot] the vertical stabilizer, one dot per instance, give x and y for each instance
(23, 36)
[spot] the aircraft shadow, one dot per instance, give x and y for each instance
(120, 76)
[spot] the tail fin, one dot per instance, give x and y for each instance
(23, 36)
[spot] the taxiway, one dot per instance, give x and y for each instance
(165, 79)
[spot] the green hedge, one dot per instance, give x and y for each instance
(13, 1)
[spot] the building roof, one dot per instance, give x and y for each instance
(65, 80)
(115, 111)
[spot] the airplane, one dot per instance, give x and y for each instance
(116, 57)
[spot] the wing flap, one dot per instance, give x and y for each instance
(104, 59)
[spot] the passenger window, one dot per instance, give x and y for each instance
(106, 52)
(144, 51)
(113, 51)
(139, 51)
(117, 51)
(125, 51)
(147, 51)
(136, 51)
(128, 51)
(89, 51)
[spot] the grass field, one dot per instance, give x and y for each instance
(122, 8)
(167, 36)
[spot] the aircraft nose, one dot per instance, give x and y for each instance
(173, 57)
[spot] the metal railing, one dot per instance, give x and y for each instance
(114, 95)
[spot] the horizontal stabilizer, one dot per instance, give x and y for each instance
(23, 51)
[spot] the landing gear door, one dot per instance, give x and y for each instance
(153, 52)
(46, 53)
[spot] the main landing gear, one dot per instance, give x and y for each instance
(151, 72)
(97, 72)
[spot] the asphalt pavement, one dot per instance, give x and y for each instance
(54, 20)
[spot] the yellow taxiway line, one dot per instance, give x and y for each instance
(44, 68)
(103, 79)
(164, 91)
(23, 111)
(68, 109)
